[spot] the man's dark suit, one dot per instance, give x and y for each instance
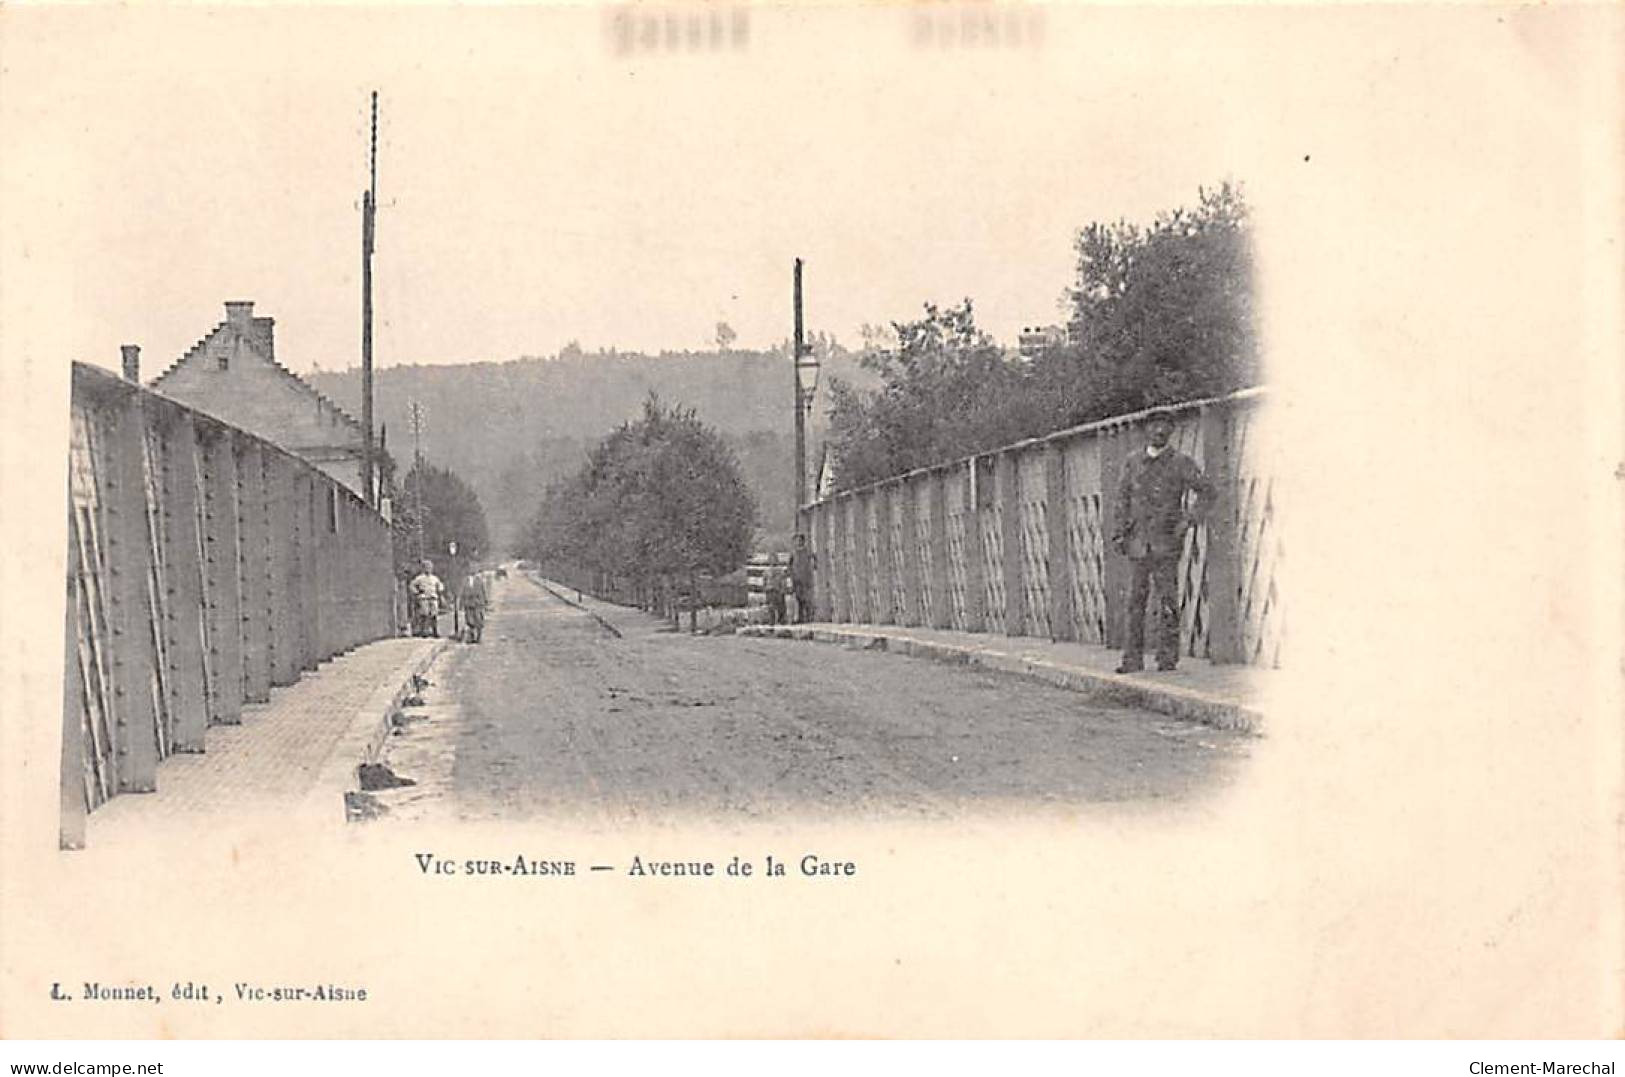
(1151, 525)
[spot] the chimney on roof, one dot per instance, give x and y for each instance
(240, 314)
(131, 354)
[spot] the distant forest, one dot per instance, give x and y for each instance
(509, 429)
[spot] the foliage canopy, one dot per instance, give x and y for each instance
(451, 512)
(1156, 315)
(662, 496)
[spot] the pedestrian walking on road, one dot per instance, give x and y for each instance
(475, 598)
(1152, 520)
(774, 586)
(428, 597)
(802, 562)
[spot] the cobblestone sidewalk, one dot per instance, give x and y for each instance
(271, 762)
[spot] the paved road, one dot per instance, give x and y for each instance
(553, 716)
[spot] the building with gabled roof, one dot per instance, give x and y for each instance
(232, 374)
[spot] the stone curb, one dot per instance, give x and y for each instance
(363, 742)
(547, 585)
(1172, 700)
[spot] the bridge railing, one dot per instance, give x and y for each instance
(205, 565)
(1016, 541)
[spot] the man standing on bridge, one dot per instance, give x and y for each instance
(1152, 519)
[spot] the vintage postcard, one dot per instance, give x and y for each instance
(935, 519)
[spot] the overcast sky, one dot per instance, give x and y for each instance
(540, 185)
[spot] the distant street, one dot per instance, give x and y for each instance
(554, 716)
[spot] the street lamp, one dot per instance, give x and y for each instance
(806, 390)
(807, 379)
(806, 384)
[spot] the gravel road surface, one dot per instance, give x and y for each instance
(553, 716)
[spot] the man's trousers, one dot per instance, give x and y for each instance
(1162, 575)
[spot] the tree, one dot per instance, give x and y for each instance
(877, 337)
(451, 513)
(657, 499)
(1158, 315)
(947, 390)
(725, 337)
(1164, 313)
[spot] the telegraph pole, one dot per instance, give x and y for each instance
(369, 207)
(417, 467)
(801, 406)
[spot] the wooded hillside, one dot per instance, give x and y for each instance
(509, 429)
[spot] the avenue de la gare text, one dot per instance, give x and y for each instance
(810, 865)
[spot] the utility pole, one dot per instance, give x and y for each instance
(801, 405)
(369, 207)
(417, 468)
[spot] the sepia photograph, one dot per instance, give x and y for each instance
(699, 520)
